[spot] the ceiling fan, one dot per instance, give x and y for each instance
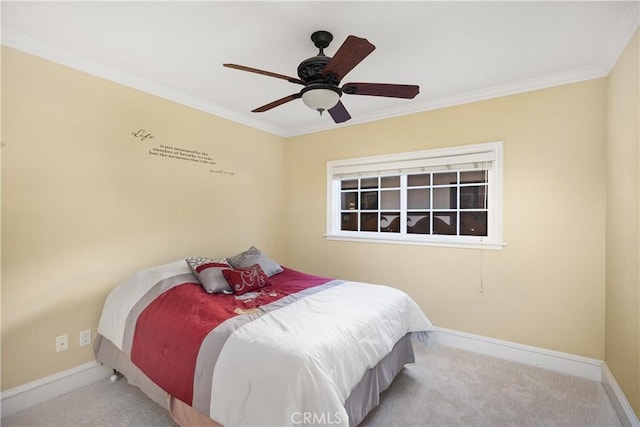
(320, 75)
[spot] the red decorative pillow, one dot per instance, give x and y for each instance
(249, 279)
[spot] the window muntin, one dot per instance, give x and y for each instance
(448, 196)
(459, 201)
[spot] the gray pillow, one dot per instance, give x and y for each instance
(252, 256)
(209, 273)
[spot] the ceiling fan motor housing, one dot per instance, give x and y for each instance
(310, 70)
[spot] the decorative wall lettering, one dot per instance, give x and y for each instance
(224, 172)
(181, 154)
(142, 134)
(178, 153)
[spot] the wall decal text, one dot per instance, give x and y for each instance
(178, 153)
(181, 154)
(142, 134)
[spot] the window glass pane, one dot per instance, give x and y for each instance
(390, 222)
(349, 201)
(418, 198)
(390, 181)
(368, 222)
(349, 222)
(445, 198)
(419, 223)
(369, 182)
(369, 200)
(444, 223)
(390, 199)
(435, 197)
(473, 223)
(473, 197)
(418, 180)
(349, 184)
(445, 178)
(473, 177)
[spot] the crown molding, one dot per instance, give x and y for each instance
(628, 26)
(17, 41)
(559, 79)
(621, 37)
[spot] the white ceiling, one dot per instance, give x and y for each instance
(455, 51)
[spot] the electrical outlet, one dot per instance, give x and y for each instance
(85, 337)
(62, 343)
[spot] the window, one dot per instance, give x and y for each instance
(448, 197)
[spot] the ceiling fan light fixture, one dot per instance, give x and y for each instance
(321, 96)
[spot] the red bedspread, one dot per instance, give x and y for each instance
(170, 331)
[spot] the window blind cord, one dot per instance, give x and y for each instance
(481, 265)
(486, 200)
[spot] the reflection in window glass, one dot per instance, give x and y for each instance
(473, 197)
(349, 201)
(369, 222)
(445, 223)
(369, 200)
(418, 198)
(390, 222)
(349, 184)
(369, 183)
(446, 178)
(473, 177)
(445, 198)
(349, 222)
(419, 223)
(390, 199)
(418, 180)
(473, 223)
(390, 182)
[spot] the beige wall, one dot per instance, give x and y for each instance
(84, 204)
(546, 288)
(622, 351)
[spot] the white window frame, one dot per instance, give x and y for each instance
(488, 155)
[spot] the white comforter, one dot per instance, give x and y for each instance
(297, 364)
(302, 361)
(123, 297)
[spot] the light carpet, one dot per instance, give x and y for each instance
(445, 387)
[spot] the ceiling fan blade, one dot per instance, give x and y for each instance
(339, 114)
(351, 53)
(264, 73)
(381, 89)
(276, 103)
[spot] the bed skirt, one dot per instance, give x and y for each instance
(363, 398)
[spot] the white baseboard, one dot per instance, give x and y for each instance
(30, 394)
(566, 363)
(36, 392)
(556, 361)
(620, 403)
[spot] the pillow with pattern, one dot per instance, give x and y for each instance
(249, 279)
(209, 273)
(252, 256)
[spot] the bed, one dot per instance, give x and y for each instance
(289, 348)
